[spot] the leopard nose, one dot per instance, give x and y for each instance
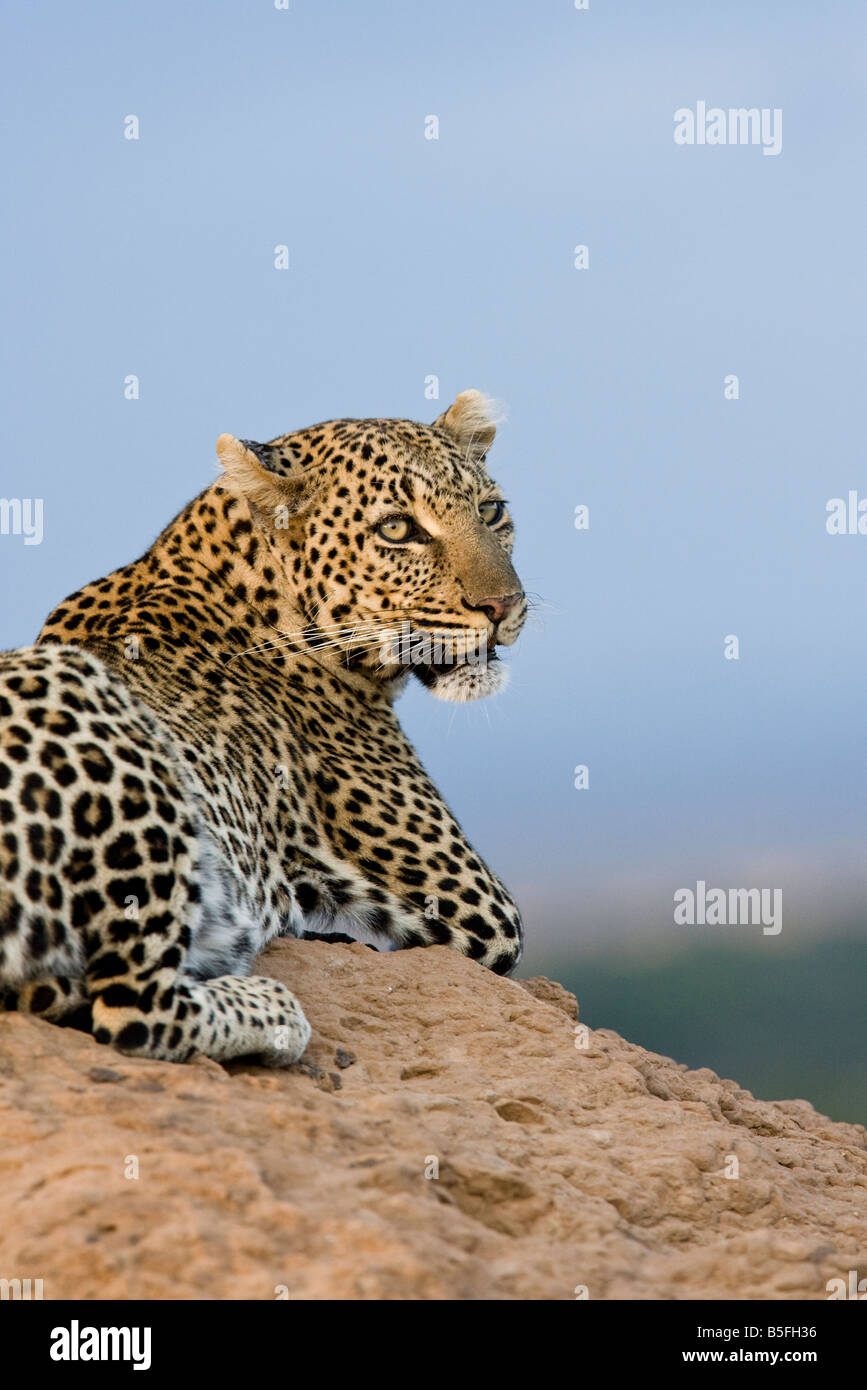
(497, 608)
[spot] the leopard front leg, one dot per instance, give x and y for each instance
(476, 918)
(410, 901)
(422, 883)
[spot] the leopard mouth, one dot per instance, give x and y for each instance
(431, 671)
(434, 652)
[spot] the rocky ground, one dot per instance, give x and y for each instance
(451, 1135)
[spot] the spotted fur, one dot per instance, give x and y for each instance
(201, 753)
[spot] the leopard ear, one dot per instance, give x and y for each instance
(262, 474)
(470, 423)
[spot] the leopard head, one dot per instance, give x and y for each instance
(395, 543)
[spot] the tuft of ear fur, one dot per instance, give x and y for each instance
(241, 465)
(249, 474)
(471, 423)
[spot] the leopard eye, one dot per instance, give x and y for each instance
(491, 512)
(396, 528)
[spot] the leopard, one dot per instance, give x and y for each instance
(200, 752)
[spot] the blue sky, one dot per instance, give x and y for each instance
(453, 257)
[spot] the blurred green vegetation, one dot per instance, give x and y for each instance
(782, 1024)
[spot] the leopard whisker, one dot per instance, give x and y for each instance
(287, 638)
